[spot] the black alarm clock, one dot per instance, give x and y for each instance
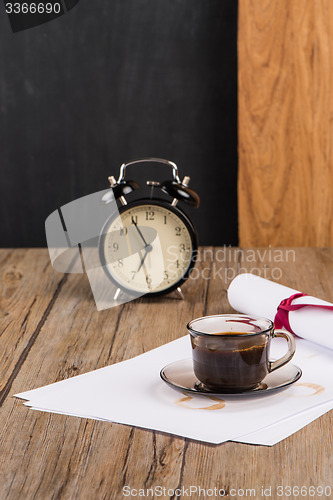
(161, 267)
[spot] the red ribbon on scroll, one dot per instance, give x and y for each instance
(282, 315)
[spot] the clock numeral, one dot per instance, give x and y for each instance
(115, 247)
(178, 231)
(177, 263)
(123, 231)
(120, 263)
(182, 247)
(166, 276)
(165, 219)
(150, 215)
(134, 219)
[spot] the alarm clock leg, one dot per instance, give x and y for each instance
(180, 293)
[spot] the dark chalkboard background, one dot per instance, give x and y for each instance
(111, 81)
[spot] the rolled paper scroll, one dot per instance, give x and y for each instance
(250, 294)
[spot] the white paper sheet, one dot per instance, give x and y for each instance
(250, 294)
(277, 432)
(267, 436)
(131, 392)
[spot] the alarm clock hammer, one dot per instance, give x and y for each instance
(158, 268)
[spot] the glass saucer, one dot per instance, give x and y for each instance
(180, 375)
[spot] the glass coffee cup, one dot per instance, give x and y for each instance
(231, 351)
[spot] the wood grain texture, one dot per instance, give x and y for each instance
(23, 307)
(285, 75)
(48, 456)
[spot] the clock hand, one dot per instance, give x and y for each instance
(140, 233)
(147, 250)
(146, 274)
(142, 260)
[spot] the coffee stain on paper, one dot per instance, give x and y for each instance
(184, 403)
(318, 389)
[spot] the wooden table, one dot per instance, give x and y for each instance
(51, 330)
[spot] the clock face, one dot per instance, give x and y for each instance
(165, 243)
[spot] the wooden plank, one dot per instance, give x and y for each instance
(285, 100)
(46, 456)
(29, 288)
(76, 338)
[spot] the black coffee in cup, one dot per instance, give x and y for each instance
(239, 365)
(231, 351)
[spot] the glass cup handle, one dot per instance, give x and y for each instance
(273, 365)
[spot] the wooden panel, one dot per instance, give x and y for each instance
(45, 456)
(285, 185)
